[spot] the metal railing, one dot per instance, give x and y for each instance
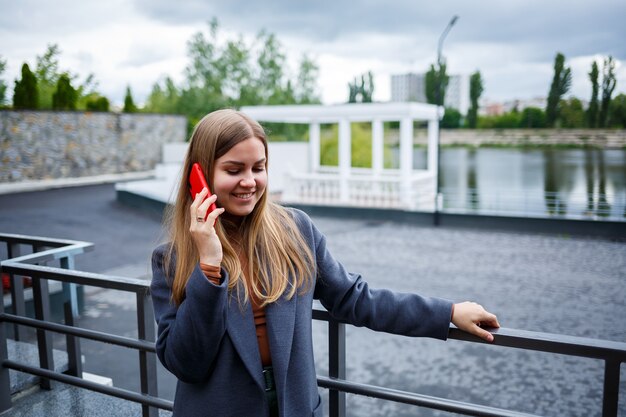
(536, 203)
(30, 265)
(612, 353)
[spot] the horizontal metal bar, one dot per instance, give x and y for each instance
(543, 342)
(80, 332)
(92, 386)
(78, 277)
(547, 342)
(415, 399)
(52, 254)
(36, 240)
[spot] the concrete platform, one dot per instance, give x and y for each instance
(27, 353)
(65, 400)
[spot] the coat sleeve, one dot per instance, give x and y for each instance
(188, 335)
(349, 298)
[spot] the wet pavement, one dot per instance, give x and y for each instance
(557, 284)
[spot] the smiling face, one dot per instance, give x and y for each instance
(240, 177)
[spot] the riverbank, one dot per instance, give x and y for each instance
(578, 138)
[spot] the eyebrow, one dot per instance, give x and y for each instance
(238, 163)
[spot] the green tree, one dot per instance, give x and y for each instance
(47, 73)
(608, 85)
(65, 96)
(560, 85)
(532, 118)
(436, 84)
(572, 113)
(232, 73)
(164, 99)
(592, 111)
(476, 89)
(129, 104)
(306, 90)
(271, 62)
(25, 93)
(617, 111)
(3, 86)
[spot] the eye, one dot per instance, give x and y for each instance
(232, 171)
(259, 168)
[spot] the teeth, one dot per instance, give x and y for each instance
(244, 195)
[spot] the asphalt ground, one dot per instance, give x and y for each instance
(556, 284)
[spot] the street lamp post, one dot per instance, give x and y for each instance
(439, 99)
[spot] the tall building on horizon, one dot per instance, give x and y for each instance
(412, 87)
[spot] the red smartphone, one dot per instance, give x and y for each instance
(196, 183)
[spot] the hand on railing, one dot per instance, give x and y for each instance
(469, 317)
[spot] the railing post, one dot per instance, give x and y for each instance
(337, 366)
(5, 381)
(147, 360)
(611, 388)
(41, 298)
(17, 292)
(70, 311)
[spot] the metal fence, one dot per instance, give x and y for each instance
(46, 250)
(534, 203)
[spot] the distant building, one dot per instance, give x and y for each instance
(412, 87)
(496, 108)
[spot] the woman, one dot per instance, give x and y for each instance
(233, 291)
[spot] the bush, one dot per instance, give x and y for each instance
(532, 117)
(97, 103)
(65, 97)
(508, 120)
(25, 94)
(452, 119)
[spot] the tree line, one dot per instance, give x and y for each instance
(237, 73)
(603, 111)
(232, 73)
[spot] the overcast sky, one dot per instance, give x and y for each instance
(138, 42)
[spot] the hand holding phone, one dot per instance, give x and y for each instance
(196, 183)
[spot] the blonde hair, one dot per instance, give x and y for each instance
(270, 239)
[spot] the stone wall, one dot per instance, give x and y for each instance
(36, 145)
(604, 138)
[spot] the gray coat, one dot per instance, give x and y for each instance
(209, 342)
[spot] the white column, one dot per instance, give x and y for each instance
(314, 147)
(378, 150)
(406, 160)
(345, 158)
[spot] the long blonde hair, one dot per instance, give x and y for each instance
(278, 259)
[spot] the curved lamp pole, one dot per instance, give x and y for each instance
(439, 97)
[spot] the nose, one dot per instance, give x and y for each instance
(247, 181)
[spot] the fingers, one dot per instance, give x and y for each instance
(482, 333)
(200, 206)
(204, 207)
(212, 218)
(490, 320)
(197, 201)
(469, 317)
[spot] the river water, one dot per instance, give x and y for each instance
(579, 183)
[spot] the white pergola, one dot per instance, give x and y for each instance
(404, 188)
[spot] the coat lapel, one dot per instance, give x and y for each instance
(281, 318)
(243, 335)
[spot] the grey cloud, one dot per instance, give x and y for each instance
(579, 27)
